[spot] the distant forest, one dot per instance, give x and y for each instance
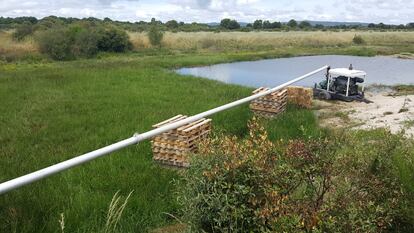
(224, 25)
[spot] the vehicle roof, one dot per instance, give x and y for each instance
(347, 72)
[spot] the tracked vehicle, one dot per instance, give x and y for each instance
(344, 84)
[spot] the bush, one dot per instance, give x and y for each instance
(155, 36)
(85, 44)
(254, 185)
(78, 41)
(23, 31)
(56, 43)
(358, 40)
(112, 39)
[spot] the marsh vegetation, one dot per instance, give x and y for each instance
(52, 111)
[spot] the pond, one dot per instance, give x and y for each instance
(272, 72)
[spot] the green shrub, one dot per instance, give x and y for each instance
(155, 36)
(112, 39)
(321, 185)
(85, 44)
(358, 40)
(22, 31)
(56, 43)
(78, 41)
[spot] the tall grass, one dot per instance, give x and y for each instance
(116, 208)
(12, 50)
(211, 42)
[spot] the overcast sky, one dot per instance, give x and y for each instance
(387, 11)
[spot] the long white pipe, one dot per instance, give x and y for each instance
(45, 172)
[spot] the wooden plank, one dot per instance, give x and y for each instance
(199, 126)
(268, 109)
(169, 121)
(190, 124)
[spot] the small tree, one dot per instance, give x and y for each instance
(266, 24)
(172, 24)
(229, 24)
(233, 25)
(225, 23)
(22, 31)
(304, 24)
(56, 43)
(258, 24)
(276, 25)
(112, 39)
(292, 23)
(155, 36)
(358, 39)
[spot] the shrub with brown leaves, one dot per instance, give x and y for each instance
(255, 185)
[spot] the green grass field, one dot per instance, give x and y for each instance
(55, 111)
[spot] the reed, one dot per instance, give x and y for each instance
(270, 40)
(12, 50)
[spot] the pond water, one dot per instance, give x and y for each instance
(272, 72)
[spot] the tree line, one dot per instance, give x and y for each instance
(173, 25)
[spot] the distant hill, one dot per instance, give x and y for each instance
(333, 23)
(313, 23)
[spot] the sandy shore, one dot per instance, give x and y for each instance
(387, 111)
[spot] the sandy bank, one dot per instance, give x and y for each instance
(387, 111)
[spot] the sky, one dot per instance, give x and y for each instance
(205, 11)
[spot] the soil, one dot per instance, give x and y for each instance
(388, 110)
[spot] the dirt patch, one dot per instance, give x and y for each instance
(395, 112)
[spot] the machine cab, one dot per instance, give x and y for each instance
(345, 81)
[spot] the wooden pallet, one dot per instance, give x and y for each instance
(301, 96)
(269, 105)
(173, 147)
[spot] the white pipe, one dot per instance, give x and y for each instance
(45, 172)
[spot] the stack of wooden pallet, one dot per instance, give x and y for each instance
(173, 147)
(301, 96)
(269, 105)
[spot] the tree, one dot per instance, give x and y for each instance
(401, 26)
(229, 24)
(172, 24)
(305, 24)
(292, 23)
(319, 26)
(234, 25)
(258, 24)
(276, 25)
(155, 36)
(106, 19)
(23, 30)
(225, 23)
(266, 24)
